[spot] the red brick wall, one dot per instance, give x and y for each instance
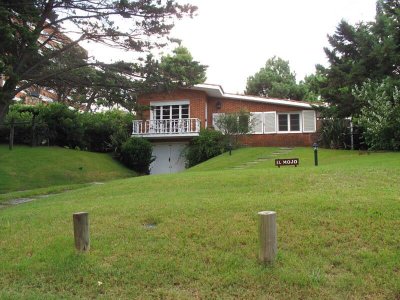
(197, 100)
(279, 140)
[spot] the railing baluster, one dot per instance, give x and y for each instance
(173, 126)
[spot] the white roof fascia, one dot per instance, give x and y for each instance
(268, 100)
(217, 92)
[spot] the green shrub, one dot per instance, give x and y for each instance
(136, 154)
(234, 125)
(22, 117)
(380, 115)
(66, 127)
(208, 144)
(335, 133)
(22, 127)
(106, 131)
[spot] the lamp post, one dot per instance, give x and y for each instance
(315, 146)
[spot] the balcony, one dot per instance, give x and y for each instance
(166, 128)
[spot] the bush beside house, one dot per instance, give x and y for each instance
(136, 154)
(58, 125)
(208, 144)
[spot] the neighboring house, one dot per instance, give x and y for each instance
(51, 39)
(35, 95)
(175, 118)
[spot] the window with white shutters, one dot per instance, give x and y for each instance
(256, 120)
(309, 121)
(270, 122)
(215, 117)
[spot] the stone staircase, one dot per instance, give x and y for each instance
(273, 155)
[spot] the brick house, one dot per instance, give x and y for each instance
(176, 117)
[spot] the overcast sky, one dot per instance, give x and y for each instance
(235, 38)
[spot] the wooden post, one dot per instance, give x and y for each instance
(81, 231)
(33, 141)
(11, 141)
(268, 240)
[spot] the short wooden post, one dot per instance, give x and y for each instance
(268, 239)
(81, 231)
(11, 140)
(33, 140)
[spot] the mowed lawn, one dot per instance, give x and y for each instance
(193, 235)
(26, 168)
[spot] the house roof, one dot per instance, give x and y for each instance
(216, 91)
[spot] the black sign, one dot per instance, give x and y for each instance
(287, 162)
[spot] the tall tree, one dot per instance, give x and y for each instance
(108, 87)
(33, 34)
(173, 71)
(311, 86)
(89, 87)
(358, 53)
(275, 80)
(181, 69)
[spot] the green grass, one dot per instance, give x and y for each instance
(26, 168)
(56, 189)
(338, 233)
(238, 157)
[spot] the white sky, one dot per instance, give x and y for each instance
(235, 38)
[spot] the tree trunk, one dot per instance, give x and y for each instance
(11, 141)
(7, 93)
(90, 102)
(33, 138)
(3, 111)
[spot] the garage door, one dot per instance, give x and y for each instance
(169, 158)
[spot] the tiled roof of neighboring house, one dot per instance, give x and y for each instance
(34, 95)
(216, 91)
(52, 39)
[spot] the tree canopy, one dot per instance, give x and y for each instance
(275, 80)
(380, 114)
(360, 52)
(37, 48)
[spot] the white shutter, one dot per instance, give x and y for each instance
(215, 117)
(256, 121)
(270, 122)
(309, 121)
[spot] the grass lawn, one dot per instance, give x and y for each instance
(26, 168)
(338, 233)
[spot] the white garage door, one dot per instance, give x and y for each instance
(169, 158)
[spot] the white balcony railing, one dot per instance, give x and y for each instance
(175, 127)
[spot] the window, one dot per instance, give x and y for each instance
(309, 121)
(294, 122)
(289, 122)
(270, 122)
(170, 112)
(283, 122)
(215, 117)
(243, 123)
(256, 120)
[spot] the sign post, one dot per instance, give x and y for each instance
(315, 146)
(286, 162)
